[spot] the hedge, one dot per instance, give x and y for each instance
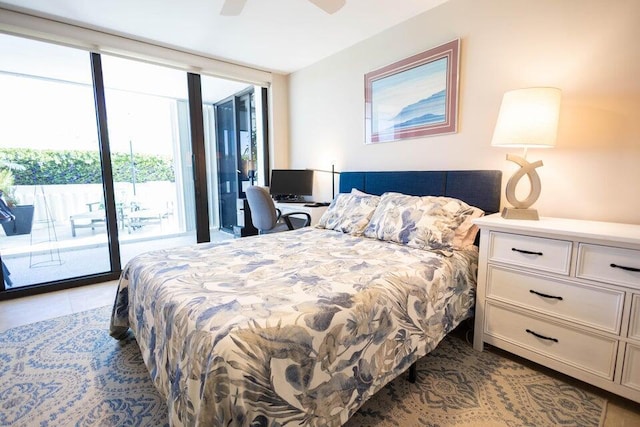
(43, 167)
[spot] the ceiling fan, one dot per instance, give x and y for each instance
(234, 7)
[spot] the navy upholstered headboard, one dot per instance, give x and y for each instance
(479, 188)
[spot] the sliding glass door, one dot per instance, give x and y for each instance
(236, 136)
(98, 162)
(50, 171)
(150, 143)
(235, 144)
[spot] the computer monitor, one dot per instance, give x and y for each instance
(291, 184)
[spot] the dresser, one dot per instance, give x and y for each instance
(565, 294)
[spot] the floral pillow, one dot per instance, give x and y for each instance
(440, 224)
(349, 213)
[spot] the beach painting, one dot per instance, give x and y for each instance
(414, 97)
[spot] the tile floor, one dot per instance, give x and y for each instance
(22, 311)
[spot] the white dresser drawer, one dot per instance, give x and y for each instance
(534, 252)
(608, 264)
(634, 324)
(592, 353)
(590, 305)
(593, 332)
(631, 371)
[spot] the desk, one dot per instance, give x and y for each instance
(315, 212)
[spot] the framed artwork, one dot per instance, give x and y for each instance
(415, 97)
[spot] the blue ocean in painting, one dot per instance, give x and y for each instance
(426, 111)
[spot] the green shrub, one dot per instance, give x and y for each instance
(46, 167)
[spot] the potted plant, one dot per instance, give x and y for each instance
(23, 214)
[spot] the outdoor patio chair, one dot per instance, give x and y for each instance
(139, 218)
(139, 215)
(96, 217)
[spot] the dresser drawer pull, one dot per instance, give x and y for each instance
(522, 251)
(541, 336)
(545, 295)
(625, 268)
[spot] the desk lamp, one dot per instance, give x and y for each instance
(527, 118)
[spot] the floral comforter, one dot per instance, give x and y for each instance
(294, 328)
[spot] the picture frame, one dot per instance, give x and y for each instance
(414, 97)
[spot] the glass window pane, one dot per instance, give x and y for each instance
(50, 172)
(234, 144)
(214, 91)
(148, 116)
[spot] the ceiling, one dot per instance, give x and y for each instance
(274, 35)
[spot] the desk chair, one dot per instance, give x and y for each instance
(264, 214)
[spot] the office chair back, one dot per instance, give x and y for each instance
(263, 211)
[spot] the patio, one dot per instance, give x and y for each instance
(69, 236)
(53, 253)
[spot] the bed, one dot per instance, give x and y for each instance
(302, 327)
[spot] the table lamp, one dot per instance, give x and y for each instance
(527, 118)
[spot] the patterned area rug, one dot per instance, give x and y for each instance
(68, 371)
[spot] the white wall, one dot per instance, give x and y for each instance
(588, 48)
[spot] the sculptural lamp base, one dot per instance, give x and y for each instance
(515, 213)
(521, 208)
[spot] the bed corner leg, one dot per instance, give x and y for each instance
(119, 332)
(413, 373)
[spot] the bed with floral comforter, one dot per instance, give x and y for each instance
(301, 327)
(295, 328)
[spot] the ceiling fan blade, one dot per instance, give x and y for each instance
(232, 7)
(329, 6)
